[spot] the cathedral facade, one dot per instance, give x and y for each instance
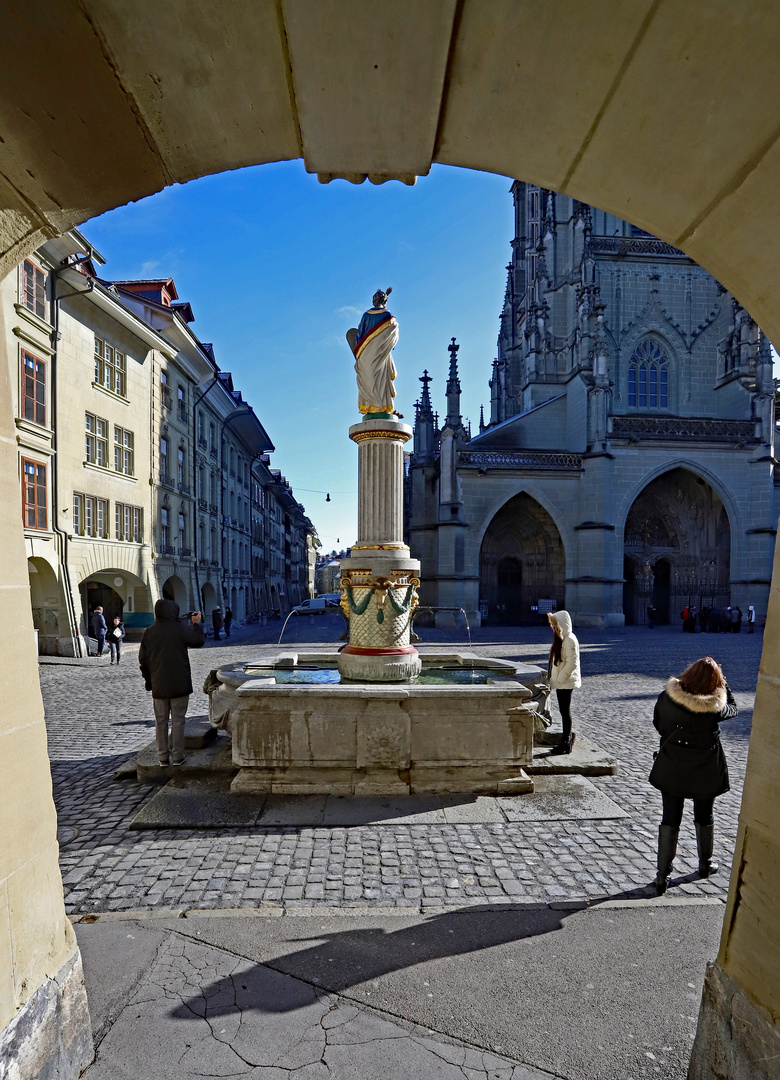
(628, 458)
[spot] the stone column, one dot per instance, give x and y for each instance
(379, 580)
(44, 1020)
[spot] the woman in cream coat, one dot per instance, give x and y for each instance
(564, 672)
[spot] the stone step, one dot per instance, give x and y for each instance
(211, 760)
(586, 758)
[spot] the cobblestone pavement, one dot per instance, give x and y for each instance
(97, 716)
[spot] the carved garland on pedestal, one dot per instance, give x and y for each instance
(384, 588)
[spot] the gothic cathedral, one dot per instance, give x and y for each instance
(628, 459)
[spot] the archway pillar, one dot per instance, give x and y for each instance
(44, 1019)
(738, 1034)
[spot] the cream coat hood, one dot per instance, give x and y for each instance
(563, 618)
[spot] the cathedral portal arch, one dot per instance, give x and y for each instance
(695, 467)
(676, 548)
(521, 562)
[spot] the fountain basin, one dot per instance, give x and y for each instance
(352, 738)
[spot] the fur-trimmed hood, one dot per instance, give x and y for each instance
(696, 703)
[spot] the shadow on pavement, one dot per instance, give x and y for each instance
(341, 960)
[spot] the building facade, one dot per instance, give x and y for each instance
(136, 456)
(628, 458)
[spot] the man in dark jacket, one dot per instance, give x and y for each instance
(165, 667)
(216, 621)
(99, 629)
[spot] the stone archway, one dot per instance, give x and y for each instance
(521, 563)
(679, 525)
(209, 599)
(448, 87)
(45, 600)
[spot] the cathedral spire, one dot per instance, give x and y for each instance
(549, 216)
(454, 419)
(424, 431)
(426, 409)
(481, 419)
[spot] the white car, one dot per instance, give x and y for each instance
(308, 607)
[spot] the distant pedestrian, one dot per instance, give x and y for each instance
(564, 673)
(216, 622)
(690, 763)
(228, 621)
(751, 618)
(684, 615)
(693, 615)
(735, 618)
(116, 636)
(165, 667)
(99, 629)
(704, 619)
(651, 616)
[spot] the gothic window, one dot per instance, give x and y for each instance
(648, 377)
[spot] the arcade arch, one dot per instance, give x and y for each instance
(45, 599)
(677, 548)
(521, 563)
(208, 599)
(119, 592)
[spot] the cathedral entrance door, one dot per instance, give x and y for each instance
(510, 590)
(662, 574)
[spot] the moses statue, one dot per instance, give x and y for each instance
(372, 345)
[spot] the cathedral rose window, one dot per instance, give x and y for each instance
(648, 377)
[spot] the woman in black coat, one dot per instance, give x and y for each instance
(690, 763)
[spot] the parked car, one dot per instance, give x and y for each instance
(308, 607)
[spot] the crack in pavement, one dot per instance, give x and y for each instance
(208, 984)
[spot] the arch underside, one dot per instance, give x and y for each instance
(281, 81)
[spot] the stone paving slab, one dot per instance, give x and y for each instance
(203, 804)
(188, 1009)
(562, 798)
(502, 993)
(192, 803)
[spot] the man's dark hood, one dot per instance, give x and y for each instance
(166, 611)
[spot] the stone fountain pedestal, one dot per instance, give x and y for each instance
(379, 581)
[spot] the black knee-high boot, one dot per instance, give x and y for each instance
(667, 849)
(705, 839)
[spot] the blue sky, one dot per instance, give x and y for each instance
(278, 266)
